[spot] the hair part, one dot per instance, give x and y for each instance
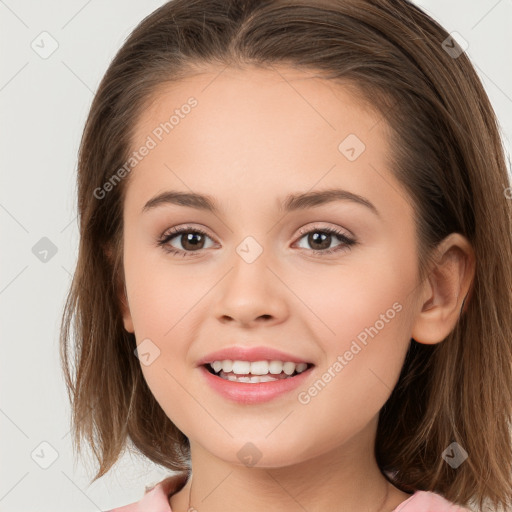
(445, 151)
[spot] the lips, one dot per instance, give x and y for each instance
(250, 393)
(249, 388)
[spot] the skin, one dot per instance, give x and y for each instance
(254, 137)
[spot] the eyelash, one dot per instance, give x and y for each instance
(174, 232)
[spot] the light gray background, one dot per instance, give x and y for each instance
(44, 103)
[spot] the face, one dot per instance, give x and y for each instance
(329, 282)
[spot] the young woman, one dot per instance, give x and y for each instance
(294, 280)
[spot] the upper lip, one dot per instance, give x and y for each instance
(250, 354)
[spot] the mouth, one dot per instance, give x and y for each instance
(256, 372)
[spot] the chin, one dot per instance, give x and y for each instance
(254, 452)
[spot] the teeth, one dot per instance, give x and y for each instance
(275, 367)
(217, 366)
(257, 367)
(252, 380)
(226, 365)
(240, 367)
(288, 368)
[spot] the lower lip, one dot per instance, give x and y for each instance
(247, 393)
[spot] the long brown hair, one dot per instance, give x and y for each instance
(446, 150)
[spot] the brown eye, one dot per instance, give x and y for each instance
(190, 239)
(320, 240)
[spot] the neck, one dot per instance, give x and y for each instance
(347, 479)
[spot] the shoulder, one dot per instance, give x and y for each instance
(156, 497)
(425, 501)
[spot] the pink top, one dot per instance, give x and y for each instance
(156, 499)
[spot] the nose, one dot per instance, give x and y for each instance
(251, 294)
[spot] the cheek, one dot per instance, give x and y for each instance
(349, 300)
(159, 293)
(363, 355)
(364, 310)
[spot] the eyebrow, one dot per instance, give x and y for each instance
(292, 202)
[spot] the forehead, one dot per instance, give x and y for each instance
(259, 130)
(279, 100)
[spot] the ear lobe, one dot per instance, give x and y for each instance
(125, 311)
(121, 294)
(448, 287)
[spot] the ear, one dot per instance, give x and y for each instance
(121, 294)
(446, 289)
